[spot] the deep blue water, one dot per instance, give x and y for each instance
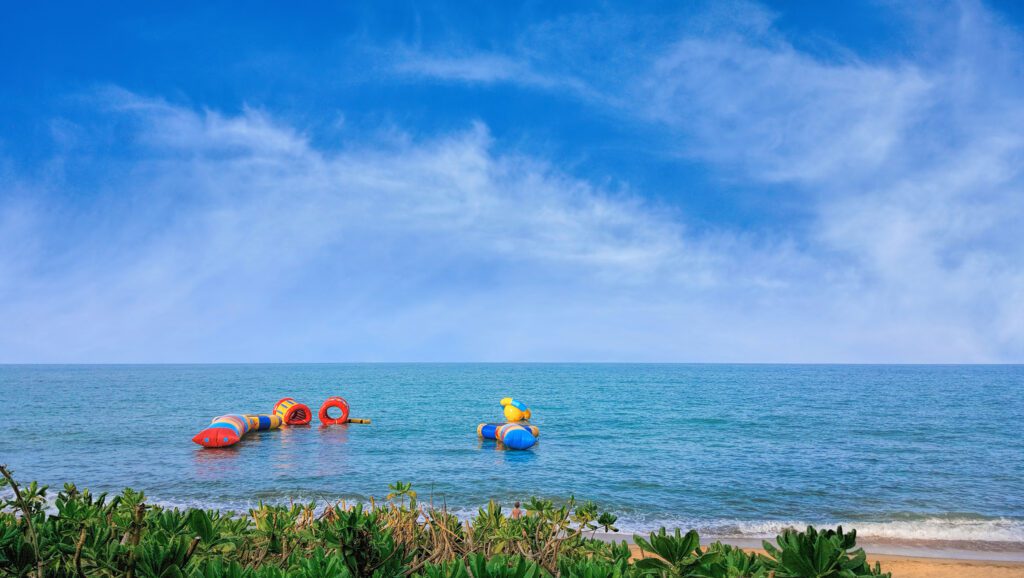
(925, 452)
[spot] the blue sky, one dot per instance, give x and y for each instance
(720, 182)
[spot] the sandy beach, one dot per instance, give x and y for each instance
(911, 567)
(927, 567)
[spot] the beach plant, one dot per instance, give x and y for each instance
(402, 490)
(218, 534)
(449, 569)
(481, 566)
(29, 502)
(363, 543)
(163, 557)
(613, 562)
(483, 530)
(219, 568)
(618, 552)
(537, 506)
(584, 568)
(732, 562)
(585, 515)
(279, 529)
(17, 558)
(606, 521)
(82, 535)
(818, 554)
(675, 554)
(319, 564)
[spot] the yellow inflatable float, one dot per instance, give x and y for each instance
(515, 410)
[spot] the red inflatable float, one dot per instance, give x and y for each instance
(292, 412)
(331, 403)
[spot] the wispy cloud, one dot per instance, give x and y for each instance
(911, 167)
(914, 170)
(484, 69)
(477, 67)
(377, 235)
(234, 237)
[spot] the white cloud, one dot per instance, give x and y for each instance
(914, 171)
(234, 238)
(485, 68)
(911, 167)
(780, 114)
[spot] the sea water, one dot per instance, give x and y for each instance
(898, 452)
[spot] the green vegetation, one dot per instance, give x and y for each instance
(123, 536)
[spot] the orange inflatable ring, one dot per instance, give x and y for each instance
(292, 412)
(334, 402)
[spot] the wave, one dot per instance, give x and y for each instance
(925, 529)
(909, 528)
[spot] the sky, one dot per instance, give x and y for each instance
(726, 181)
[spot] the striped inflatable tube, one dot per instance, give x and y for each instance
(264, 421)
(512, 435)
(292, 412)
(227, 430)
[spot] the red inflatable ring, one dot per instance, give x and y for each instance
(334, 402)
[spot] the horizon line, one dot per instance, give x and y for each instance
(780, 363)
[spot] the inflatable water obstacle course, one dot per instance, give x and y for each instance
(227, 430)
(513, 435)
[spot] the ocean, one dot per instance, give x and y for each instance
(913, 453)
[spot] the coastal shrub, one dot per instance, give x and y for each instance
(481, 566)
(451, 569)
(86, 535)
(732, 562)
(824, 554)
(676, 554)
(596, 567)
(363, 542)
(16, 554)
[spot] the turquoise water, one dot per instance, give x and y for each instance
(905, 452)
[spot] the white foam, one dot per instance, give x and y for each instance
(925, 529)
(945, 528)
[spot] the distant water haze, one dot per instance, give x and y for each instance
(912, 453)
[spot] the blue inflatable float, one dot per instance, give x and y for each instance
(516, 436)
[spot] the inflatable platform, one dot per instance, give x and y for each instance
(515, 434)
(227, 430)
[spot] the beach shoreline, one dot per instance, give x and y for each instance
(919, 549)
(909, 558)
(933, 565)
(1010, 552)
